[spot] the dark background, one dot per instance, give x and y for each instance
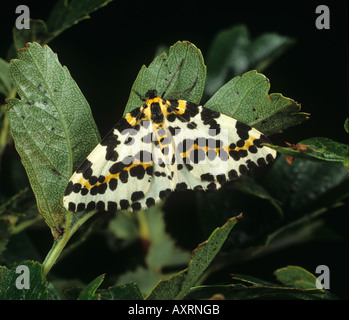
(105, 53)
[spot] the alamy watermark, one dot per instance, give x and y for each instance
(323, 19)
(23, 20)
(323, 280)
(23, 281)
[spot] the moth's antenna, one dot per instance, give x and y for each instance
(186, 90)
(138, 94)
(174, 75)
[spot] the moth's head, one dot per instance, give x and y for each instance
(151, 94)
(154, 107)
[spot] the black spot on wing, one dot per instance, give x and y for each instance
(124, 204)
(117, 167)
(137, 195)
(100, 205)
(72, 207)
(207, 177)
(191, 110)
(77, 187)
(91, 206)
(136, 206)
(250, 164)
(69, 188)
(113, 183)
(137, 171)
(85, 169)
(112, 206)
(208, 117)
(242, 130)
(164, 193)
(262, 139)
(192, 125)
(212, 186)
(221, 178)
(174, 130)
(111, 141)
(181, 186)
(269, 158)
(261, 162)
(232, 174)
(129, 141)
(252, 149)
(150, 202)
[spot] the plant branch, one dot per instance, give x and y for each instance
(70, 228)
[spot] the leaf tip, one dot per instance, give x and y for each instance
(239, 217)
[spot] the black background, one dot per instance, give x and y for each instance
(105, 53)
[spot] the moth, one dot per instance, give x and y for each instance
(160, 147)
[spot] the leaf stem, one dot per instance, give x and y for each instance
(143, 226)
(5, 130)
(71, 226)
(25, 224)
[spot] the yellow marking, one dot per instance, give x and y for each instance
(147, 113)
(248, 143)
(130, 119)
(150, 101)
(85, 184)
(164, 104)
(196, 147)
(160, 137)
(182, 106)
(225, 148)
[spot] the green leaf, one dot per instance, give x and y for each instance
(5, 82)
(346, 125)
(297, 277)
(123, 226)
(161, 251)
(64, 15)
(246, 99)
(179, 285)
(37, 285)
(52, 126)
(250, 280)
(306, 228)
(145, 278)
(183, 68)
(67, 13)
(128, 291)
(306, 186)
(249, 186)
(89, 292)
(233, 53)
(297, 283)
(4, 235)
(37, 32)
(255, 292)
(318, 148)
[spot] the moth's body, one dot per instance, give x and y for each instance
(162, 146)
